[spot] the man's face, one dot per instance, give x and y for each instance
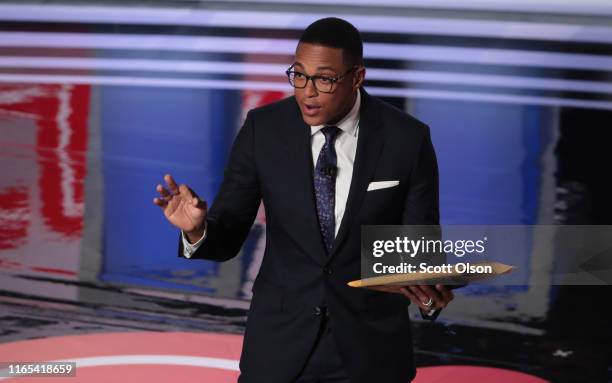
(320, 108)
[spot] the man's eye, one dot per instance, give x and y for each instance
(325, 80)
(298, 75)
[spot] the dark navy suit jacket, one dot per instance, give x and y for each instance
(271, 160)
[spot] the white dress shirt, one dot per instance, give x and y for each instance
(346, 147)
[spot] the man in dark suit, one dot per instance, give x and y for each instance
(324, 162)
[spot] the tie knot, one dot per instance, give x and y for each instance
(330, 132)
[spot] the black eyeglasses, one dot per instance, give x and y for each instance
(323, 84)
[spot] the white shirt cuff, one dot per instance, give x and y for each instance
(189, 248)
(429, 313)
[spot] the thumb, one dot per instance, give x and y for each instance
(198, 203)
(185, 191)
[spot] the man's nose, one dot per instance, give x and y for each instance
(310, 90)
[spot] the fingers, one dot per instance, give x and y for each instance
(408, 294)
(201, 204)
(416, 296)
(183, 190)
(162, 191)
(388, 289)
(431, 292)
(195, 198)
(186, 193)
(447, 294)
(160, 202)
(421, 294)
(164, 194)
(418, 300)
(423, 297)
(174, 189)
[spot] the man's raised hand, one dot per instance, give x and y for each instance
(181, 206)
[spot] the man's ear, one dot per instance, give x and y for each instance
(359, 77)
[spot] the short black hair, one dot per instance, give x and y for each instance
(336, 33)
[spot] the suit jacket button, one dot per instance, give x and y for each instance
(327, 270)
(318, 311)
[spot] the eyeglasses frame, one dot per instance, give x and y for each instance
(314, 78)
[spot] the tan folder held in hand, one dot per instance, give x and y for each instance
(393, 282)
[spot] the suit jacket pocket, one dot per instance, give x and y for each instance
(377, 185)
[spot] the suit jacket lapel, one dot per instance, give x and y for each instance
(296, 137)
(369, 147)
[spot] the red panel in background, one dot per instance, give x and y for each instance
(14, 213)
(62, 148)
(54, 159)
(61, 113)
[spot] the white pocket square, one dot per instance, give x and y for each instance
(382, 185)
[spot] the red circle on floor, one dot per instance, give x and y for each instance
(185, 357)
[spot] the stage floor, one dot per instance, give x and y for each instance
(118, 322)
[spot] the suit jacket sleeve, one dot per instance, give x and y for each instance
(422, 200)
(234, 209)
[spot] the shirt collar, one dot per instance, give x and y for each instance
(349, 123)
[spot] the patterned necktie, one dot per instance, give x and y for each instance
(325, 186)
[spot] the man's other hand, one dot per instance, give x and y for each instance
(182, 207)
(439, 296)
